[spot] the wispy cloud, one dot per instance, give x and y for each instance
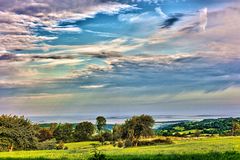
(18, 18)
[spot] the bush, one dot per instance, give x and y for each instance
(107, 136)
(107, 143)
(61, 146)
(64, 132)
(102, 139)
(128, 143)
(146, 143)
(155, 142)
(120, 144)
(44, 134)
(197, 133)
(98, 156)
(168, 141)
(47, 145)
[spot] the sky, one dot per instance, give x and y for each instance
(122, 57)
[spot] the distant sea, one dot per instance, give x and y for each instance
(161, 120)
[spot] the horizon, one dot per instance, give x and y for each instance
(119, 57)
(121, 119)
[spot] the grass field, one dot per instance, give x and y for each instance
(220, 148)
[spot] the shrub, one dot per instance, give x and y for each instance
(102, 139)
(107, 136)
(47, 145)
(120, 144)
(64, 132)
(61, 146)
(98, 156)
(155, 142)
(128, 143)
(44, 134)
(197, 133)
(168, 141)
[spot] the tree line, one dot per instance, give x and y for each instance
(207, 127)
(19, 133)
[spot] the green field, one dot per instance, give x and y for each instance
(200, 148)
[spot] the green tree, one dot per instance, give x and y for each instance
(235, 128)
(17, 133)
(44, 134)
(53, 126)
(84, 131)
(138, 126)
(64, 132)
(117, 132)
(107, 136)
(197, 133)
(100, 123)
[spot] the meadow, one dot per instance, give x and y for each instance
(220, 148)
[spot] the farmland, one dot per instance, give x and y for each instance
(220, 148)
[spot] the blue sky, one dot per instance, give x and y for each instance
(121, 57)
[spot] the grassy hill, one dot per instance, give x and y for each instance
(220, 148)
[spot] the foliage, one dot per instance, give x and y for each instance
(61, 146)
(134, 128)
(98, 155)
(156, 141)
(44, 134)
(140, 126)
(64, 132)
(117, 132)
(120, 144)
(17, 133)
(235, 128)
(221, 126)
(47, 145)
(128, 143)
(100, 123)
(84, 131)
(107, 136)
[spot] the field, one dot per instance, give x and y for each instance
(200, 148)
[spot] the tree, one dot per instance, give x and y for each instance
(197, 133)
(138, 126)
(235, 128)
(53, 126)
(117, 132)
(45, 134)
(64, 132)
(101, 123)
(107, 136)
(84, 131)
(17, 133)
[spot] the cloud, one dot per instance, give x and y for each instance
(109, 62)
(101, 49)
(92, 86)
(103, 34)
(160, 12)
(64, 29)
(203, 19)
(150, 18)
(19, 18)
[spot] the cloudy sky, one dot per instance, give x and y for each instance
(122, 57)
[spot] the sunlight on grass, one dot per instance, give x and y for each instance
(83, 150)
